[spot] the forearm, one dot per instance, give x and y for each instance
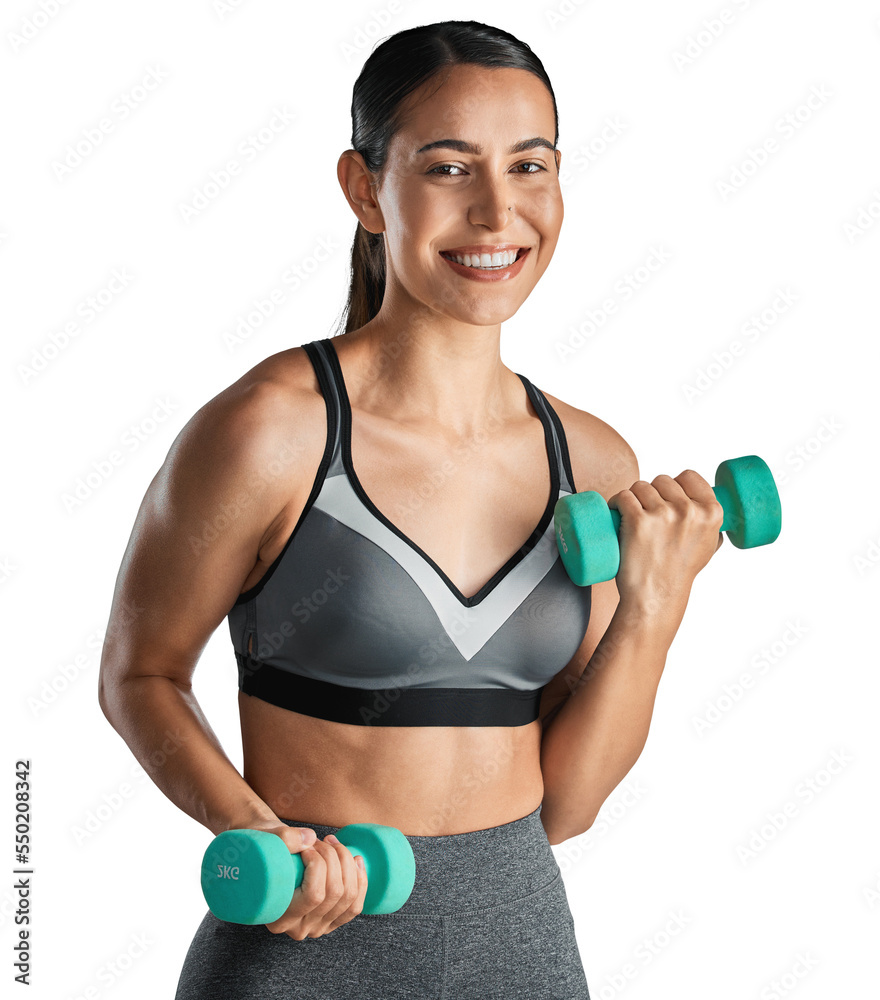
(601, 728)
(165, 729)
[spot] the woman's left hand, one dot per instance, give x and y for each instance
(669, 530)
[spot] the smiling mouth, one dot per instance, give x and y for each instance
(451, 256)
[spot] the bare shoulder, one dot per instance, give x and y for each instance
(236, 473)
(257, 413)
(601, 458)
(267, 431)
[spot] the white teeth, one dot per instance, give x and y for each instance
(485, 260)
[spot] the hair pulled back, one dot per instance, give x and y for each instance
(398, 66)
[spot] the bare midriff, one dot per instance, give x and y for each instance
(425, 780)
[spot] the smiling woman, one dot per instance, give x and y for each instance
(411, 651)
(394, 655)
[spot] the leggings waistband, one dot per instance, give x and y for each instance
(476, 870)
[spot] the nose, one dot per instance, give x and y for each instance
(492, 205)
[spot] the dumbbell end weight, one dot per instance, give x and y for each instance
(747, 492)
(389, 862)
(586, 536)
(249, 876)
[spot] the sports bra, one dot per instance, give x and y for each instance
(354, 623)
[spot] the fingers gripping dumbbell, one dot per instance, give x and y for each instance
(249, 876)
(587, 528)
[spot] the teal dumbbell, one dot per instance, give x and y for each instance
(249, 876)
(587, 528)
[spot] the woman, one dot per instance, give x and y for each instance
(373, 513)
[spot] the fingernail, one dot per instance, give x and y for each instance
(332, 838)
(308, 835)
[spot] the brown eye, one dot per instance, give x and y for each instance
(453, 166)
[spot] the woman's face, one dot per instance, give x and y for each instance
(446, 198)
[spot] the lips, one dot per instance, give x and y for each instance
(490, 274)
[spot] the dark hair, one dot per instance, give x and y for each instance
(395, 68)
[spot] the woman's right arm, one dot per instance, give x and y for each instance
(197, 536)
(244, 457)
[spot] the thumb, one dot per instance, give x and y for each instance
(295, 838)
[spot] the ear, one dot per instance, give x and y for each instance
(359, 187)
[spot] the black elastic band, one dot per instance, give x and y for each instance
(393, 706)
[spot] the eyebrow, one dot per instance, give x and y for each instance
(469, 147)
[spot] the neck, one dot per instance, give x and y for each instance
(450, 377)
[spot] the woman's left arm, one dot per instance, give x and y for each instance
(596, 713)
(593, 737)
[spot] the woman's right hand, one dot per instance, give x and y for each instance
(332, 890)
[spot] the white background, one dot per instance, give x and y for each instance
(689, 833)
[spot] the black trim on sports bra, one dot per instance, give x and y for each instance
(517, 556)
(563, 441)
(324, 465)
(410, 706)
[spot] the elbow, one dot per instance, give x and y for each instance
(108, 689)
(103, 699)
(557, 837)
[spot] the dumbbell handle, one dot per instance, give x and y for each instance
(722, 495)
(351, 845)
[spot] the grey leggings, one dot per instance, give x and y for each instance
(488, 917)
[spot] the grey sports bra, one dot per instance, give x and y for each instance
(353, 622)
